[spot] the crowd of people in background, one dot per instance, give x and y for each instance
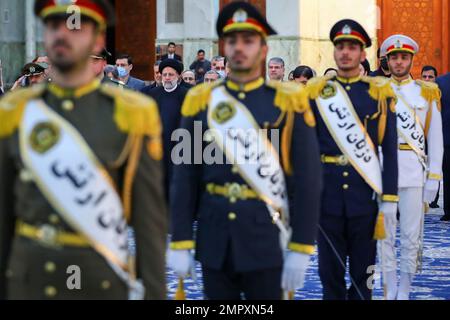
(200, 71)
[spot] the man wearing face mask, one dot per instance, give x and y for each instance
(383, 69)
(169, 96)
(124, 64)
(218, 65)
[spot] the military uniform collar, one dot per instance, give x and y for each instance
(245, 87)
(348, 80)
(74, 93)
(402, 83)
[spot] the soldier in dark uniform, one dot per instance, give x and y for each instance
(237, 241)
(122, 129)
(349, 206)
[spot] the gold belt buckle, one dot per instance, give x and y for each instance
(234, 192)
(342, 160)
(47, 235)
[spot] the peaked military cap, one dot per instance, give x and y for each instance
(104, 55)
(101, 11)
(399, 43)
(32, 69)
(351, 30)
(242, 16)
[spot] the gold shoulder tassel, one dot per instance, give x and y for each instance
(430, 92)
(380, 90)
(286, 142)
(197, 99)
(380, 231)
(290, 99)
(130, 173)
(138, 116)
(12, 106)
(180, 294)
(135, 113)
(316, 85)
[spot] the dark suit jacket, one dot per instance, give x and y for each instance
(177, 57)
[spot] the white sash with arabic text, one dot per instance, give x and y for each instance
(345, 127)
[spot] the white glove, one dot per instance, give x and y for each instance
(430, 190)
(180, 261)
(389, 209)
(294, 270)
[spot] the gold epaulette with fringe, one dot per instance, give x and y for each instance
(12, 106)
(292, 97)
(380, 88)
(316, 85)
(134, 113)
(138, 116)
(430, 92)
(197, 99)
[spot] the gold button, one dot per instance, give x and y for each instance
(106, 285)
(50, 291)
(345, 174)
(232, 216)
(235, 170)
(54, 219)
(50, 267)
(348, 88)
(345, 186)
(67, 105)
(241, 95)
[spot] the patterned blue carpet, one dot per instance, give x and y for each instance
(433, 283)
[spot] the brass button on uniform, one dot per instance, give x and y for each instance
(348, 88)
(345, 174)
(235, 170)
(54, 219)
(50, 267)
(241, 95)
(106, 285)
(50, 291)
(232, 216)
(345, 186)
(67, 105)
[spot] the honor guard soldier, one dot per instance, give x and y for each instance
(242, 206)
(78, 162)
(420, 145)
(355, 120)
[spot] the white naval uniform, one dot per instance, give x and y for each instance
(412, 177)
